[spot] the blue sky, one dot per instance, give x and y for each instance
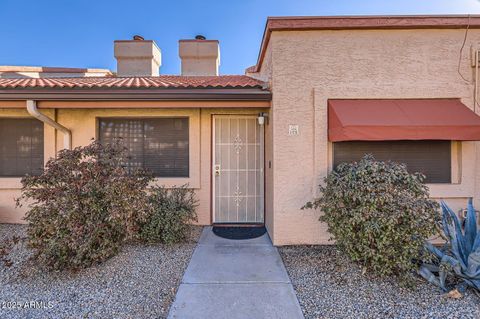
(80, 33)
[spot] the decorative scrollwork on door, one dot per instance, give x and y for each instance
(237, 144)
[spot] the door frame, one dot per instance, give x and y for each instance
(212, 168)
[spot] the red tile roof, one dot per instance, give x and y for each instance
(162, 81)
(250, 69)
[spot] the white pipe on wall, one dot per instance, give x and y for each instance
(33, 111)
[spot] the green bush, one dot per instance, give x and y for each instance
(171, 212)
(378, 214)
(83, 206)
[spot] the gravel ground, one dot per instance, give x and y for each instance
(329, 286)
(140, 282)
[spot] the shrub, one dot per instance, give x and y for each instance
(83, 206)
(378, 213)
(171, 212)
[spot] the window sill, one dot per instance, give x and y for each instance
(10, 183)
(450, 190)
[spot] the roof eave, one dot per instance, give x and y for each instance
(199, 94)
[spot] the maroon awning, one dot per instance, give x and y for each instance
(383, 120)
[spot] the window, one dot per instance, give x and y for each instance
(431, 158)
(157, 144)
(21, 147)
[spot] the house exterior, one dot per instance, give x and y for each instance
(255, 147)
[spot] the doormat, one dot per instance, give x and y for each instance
(239, 232)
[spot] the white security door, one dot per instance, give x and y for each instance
(238, 182)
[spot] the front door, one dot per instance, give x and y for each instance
(238, 182)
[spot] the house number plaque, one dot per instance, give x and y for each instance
(293, 130)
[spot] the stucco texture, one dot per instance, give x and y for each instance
(309, 67)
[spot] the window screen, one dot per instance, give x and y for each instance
(431, 158)
(157, 144)
(21, 147)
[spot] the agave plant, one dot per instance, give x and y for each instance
(461, 253)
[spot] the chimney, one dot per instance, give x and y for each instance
(199, 56)
(137, 57)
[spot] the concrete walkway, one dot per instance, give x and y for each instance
(235, 279)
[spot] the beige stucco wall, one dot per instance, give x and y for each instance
(83, 125)
(266, 74)
(310, 67)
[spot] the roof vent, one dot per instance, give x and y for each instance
(138, 38)
(200, 37)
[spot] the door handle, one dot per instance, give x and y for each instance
(217, 170)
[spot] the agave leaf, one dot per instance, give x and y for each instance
(473, 269)
(452, 262)
(442, 276)
(455, 264)
(474, 283)
(470, 227)
(445, 222)
(430, 277)
(434, 250)
(453, 229)
(476, 244)
(453, 217)
(432, 267)
(456, 248)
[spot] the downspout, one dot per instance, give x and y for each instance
(33, 111)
